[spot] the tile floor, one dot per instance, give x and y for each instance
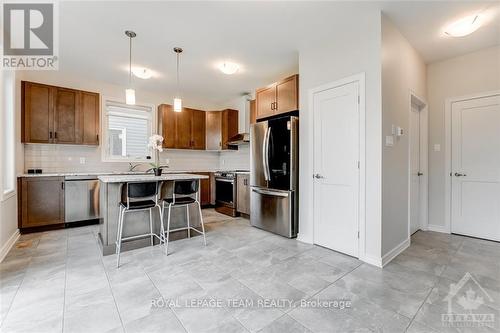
(57, 281)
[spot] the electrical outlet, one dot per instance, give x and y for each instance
(167, 161)
(82, 160)
(437, 147)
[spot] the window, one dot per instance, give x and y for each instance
(7, 139)
(127, 129)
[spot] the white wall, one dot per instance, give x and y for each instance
(468, 74)
(334, 51)
(403, 71)
(8, 203)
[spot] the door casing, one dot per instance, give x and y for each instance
(424, 168)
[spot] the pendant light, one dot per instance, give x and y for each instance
(177, 98)
(130, 92)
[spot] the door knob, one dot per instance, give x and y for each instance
(318, 176)
(420, 173)
(460, 174)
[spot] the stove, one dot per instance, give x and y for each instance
(225, 192)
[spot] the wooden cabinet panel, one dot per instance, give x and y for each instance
(205, 190)
(243, 193)
(183, 129)
(36, 116)
(198, 130)
(287, 92)
(66, 116)
(265, 99)
(229, 126)
(166, 122)
(89, 118)
(58, 115)
(253, 112)
(213, 130)
(41, 201)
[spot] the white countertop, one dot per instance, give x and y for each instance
(64, 174)
(149, 177)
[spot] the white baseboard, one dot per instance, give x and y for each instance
(8, 245)
(395, 251)
(437, 228)
(372, 261)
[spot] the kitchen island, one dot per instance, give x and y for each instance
(136, 223)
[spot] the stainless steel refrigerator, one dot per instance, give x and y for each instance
(274, 175)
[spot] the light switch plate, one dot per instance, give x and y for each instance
(82, 160)
(389, 141)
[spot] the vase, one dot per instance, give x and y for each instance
(157, 171)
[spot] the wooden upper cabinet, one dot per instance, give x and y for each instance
(253, 112)
(41, 201)
(36, 115)
(182, 130)
(287, 95)
(198, 130)
(89, 118)
(166, 124)
(66, 116)
(59, 115)
(279, 97)
(213, 130)
(265, 99)
(229, 126)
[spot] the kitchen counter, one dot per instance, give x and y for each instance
(148, 177)
(67, 174)
(137, 223)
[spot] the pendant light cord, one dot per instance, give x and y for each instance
(130, 62)
(178, 89)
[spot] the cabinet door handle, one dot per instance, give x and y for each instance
(62, 185)
(50, 135)
(275, 105)
(97, 137)
(272, 106)
(55, 135)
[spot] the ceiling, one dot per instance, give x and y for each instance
(264, 37)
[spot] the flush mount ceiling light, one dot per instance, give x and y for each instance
(142, 72)
(130, 92)
(228, 67)
(463, 27)
(177, 98)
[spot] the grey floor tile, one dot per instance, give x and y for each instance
(91, 312)
(158, 321)
(284, 324)
(214, 320)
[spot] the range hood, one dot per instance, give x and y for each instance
(239, 139)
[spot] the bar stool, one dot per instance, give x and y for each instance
(186, 189)
(137, 197)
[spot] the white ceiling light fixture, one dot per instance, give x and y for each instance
(142, 72)
(228, 68)
(130, 92)
(177, 98)
(463, 27)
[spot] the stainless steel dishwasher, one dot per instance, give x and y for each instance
(81, 198)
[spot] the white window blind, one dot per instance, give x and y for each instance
(128, 128)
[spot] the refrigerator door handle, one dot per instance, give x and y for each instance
(265, 155)
(273, 193)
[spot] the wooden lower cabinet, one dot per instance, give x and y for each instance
(41, 201)
(243, 193)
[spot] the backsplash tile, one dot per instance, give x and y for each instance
(66, 158)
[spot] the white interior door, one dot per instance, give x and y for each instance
(475, 193)
(415, 168)
(336, 173)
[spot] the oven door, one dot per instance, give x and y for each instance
(225, 192)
